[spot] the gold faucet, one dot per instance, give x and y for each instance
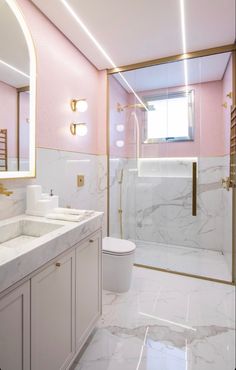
(4, 191)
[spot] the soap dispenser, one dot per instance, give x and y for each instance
(54, 199)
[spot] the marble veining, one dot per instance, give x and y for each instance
(169, 334)
(165, 322)
(19, 260)
(159, 209)
(57, 170)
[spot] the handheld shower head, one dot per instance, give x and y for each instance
(120, 176)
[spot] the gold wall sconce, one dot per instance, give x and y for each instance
(79, 129)
(79, 104)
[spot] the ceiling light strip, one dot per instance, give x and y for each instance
(14, 68)
(99, 46)
(184, 44)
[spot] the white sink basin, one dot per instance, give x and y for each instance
(23, 231)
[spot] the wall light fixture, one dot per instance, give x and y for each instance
(79, 105)
(79, 129)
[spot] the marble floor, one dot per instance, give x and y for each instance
(165, 322)
(194, 261)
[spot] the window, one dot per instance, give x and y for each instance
(170, 117)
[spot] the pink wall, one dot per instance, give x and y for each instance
(208, 128)
(227, 87)
(63, 73)
(8, 116)
(209, 136)
(117, 94)
(24, 125)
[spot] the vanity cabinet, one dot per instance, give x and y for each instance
(52, 315)
(88, 287)
(45, 322)
(15, 329)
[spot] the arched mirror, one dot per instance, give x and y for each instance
(17, 94)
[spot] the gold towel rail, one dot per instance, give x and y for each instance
(3, 150)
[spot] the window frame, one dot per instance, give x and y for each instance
(191, 115)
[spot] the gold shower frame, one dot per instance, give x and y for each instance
(169, 59)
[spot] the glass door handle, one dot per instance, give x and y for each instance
(194, 189)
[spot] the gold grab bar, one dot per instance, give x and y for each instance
(194, 189)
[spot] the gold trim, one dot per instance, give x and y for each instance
(18, 129)
(185, 274)
(174, 58)
(234, 188)
(108, 151)
(195, 54)
(23, 89)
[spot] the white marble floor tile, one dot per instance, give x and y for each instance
(165, 322)
(194, 261)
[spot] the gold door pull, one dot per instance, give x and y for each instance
(194, 189)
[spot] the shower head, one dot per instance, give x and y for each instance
(121, 108)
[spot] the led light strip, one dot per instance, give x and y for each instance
(14, 68)
(183, 31)
(32, 79)
(99, 46)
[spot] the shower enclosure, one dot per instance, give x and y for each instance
(170, 185)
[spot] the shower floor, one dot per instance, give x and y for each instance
(203, 262)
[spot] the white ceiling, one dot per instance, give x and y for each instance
(198, 70)
(13, 48)
(138, 30)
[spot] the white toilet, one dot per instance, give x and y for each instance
(118, 259)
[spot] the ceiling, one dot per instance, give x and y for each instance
(198, 70)
(138, 30)
(13, 49)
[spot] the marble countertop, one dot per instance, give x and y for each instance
(18, 261)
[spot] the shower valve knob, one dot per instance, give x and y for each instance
(226, 183)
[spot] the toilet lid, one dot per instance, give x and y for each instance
(117, 246)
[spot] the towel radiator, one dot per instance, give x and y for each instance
(3, 150)
(232, 174)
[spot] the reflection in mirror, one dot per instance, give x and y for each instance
(15, 93)
(23, 128)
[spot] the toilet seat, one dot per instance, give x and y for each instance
(117, 247)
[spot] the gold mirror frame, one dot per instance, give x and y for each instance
(31, 172)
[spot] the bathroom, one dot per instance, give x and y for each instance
(146, 212)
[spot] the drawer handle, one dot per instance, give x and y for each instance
(58, 264)
(91, 241)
